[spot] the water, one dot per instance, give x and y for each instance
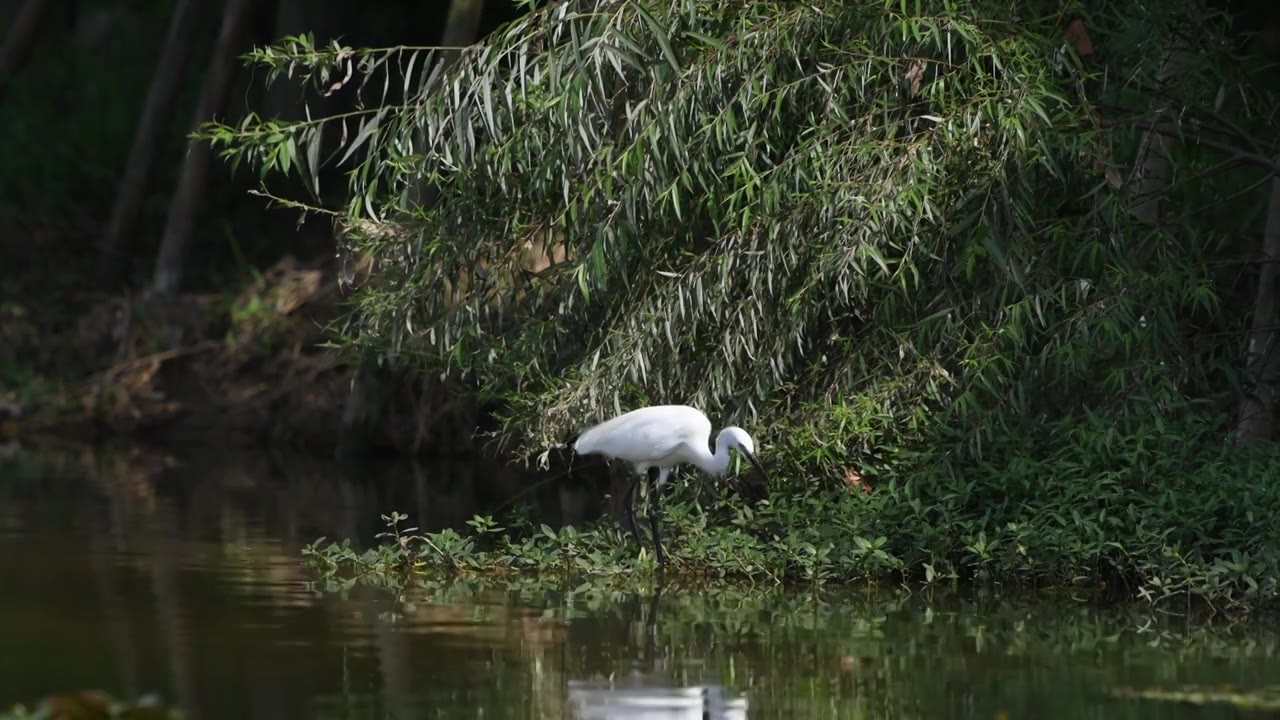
(139, 573)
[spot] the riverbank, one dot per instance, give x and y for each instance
(251, 365)
(1162, 512)
(1155, 510)
(189, 591)
(1173, 520)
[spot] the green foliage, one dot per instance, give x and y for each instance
(1260, 700)
(897, 234)
(1149, 511)
(776, 208)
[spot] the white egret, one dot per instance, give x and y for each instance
(661, 437)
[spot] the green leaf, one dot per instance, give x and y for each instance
(659, 35)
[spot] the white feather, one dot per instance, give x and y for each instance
(664, 436)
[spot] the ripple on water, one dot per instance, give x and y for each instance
(189, 584)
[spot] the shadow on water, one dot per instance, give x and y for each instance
(138, 572)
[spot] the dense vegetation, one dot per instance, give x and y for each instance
(820, 215)
(912, 247)
(999, 267)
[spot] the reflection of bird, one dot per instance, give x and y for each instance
(661, 437)
(596, 701)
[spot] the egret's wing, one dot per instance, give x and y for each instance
(644, 435)
(656, 437)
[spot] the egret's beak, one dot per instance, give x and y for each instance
(755, 463)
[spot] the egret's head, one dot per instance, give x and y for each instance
(737, 438)
(740, 440)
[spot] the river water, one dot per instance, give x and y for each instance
(178, 576)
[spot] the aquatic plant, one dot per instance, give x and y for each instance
(1160, 514)
(91, 705)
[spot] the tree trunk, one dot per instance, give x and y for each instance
(284, 98)
(371, 383)
(1153, 169)
(185, 205)
(365, 402)
(1262, 367)
(21, 40)
(459, 31)
(151, 132)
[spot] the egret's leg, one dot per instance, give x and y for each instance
(655, 510)
(629, 501)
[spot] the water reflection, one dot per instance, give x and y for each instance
(635, 699)
(139, 572)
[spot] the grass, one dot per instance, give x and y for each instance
(1158, 513)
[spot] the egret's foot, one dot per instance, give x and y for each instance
(655, 518)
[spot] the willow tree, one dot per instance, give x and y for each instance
(862, 222)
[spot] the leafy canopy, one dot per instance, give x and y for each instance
(881, 217)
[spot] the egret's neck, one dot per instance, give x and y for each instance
(717, 463)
